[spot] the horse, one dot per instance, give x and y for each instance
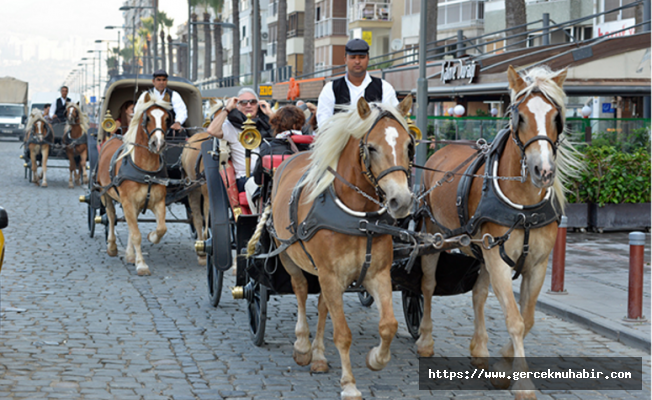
(74, 140)
(192, 166)
(537, 147)
(140, 149)
(371, 149)
(38, 138)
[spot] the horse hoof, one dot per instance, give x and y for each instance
(201, 260)
(44, 184)
(373, 362)
(153, 237)
(71, 186)
(143, 271)
(351, 393)
(524, 395)
(302, 359)
(500, 383)
(319, 367)
(480, 362)
(427, 351)
(112, 251)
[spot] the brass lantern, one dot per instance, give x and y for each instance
(413, 129)
(108, 124)
(250, 139)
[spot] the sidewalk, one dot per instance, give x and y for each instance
(596, 282)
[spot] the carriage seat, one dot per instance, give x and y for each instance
(273, 161)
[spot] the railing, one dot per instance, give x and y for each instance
(295, 33)
(370, 11)
(280, 74)
(331, 27)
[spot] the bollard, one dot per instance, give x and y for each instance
(559, 259)
(635, 292)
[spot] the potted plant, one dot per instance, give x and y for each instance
(616, 185)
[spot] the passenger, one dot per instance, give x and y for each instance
(124, 117)
(228, 124)
(310, 112)
(46, 112)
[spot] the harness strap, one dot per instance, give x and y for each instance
(518, 265)
(367, 262)
(149, 188)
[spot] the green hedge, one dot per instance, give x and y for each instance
(612, 176)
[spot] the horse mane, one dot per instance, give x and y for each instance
(83, 118)
(34, 116)
(332, 137)
(569, 160)
(129, 138)
(215, 107)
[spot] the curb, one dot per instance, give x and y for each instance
(601, 326)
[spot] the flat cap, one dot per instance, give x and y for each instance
(357, 46)
(160, 72)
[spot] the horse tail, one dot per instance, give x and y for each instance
(251, 245)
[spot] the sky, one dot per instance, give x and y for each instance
(42, 41)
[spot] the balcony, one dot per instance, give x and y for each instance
(369, 11)
(331, 27)
(459, 15)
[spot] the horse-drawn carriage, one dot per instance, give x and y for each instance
(345, 218)
(167, 177)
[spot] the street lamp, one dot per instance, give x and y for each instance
(133, 24)
(118, 28)
(99, 71)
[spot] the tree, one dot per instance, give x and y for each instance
(208, 47)
(515, 15)
(282, 34)
(217, 6)
(236, 38)
(168, 23)
(431, 29)
(162, 20)
(309, 38)
(195, 48)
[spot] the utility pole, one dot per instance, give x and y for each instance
(255, 42)
(154, 36)
(422, 90)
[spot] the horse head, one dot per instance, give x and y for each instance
(154, 122)
(386, 154)
(72, 114)
(537, 116)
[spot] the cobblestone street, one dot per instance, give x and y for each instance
(78, 324)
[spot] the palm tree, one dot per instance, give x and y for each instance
(168, 23)
(161, 19)
(236, 37)
(146, 32)
(217, 6)
(309, 38)
(208, 46)
(195, 48)
(515, 15)
(282, 34)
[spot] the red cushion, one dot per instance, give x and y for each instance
(242, 198)
(273, 161)
(302, 139)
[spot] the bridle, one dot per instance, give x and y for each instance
(515, 120)
(75, 121)
(145, 120)
(366, 159)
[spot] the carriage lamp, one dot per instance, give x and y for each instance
(459, 110)
(412, 128)
(586, 111)
(249, 139)
(206, 123)
(108, 123)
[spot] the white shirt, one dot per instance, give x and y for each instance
(326, 104)
(179, 107)
(231, 135)
(53, 107)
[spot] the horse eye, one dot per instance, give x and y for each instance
(372, 149)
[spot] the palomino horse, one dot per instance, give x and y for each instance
(38, 137)
(371, 149)
(74, 139)
(535, 147)
(192, 166)
(143, 144)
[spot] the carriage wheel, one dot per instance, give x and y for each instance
(257, 312)
(91, 220)
(365, 298)
(215, 280)
(413, 311)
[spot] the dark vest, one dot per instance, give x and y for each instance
(173, 115)
(60, 111)
(373, 92)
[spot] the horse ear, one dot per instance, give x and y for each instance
(516, 83)
(77, 103)
(212, 101)
(560, 78)
(148, 98)
(166, 98)
(405, 106)
(363, 108)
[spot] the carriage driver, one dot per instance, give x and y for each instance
(355, 84)
(179, 111)
(58, 107)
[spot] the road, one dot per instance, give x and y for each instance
(77, 324)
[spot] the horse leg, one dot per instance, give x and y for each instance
(302, 352)
(131, 216)
(478, 347)
(32, 157)
(155, 236)
(194, 202)
(45, 152)
(319, 363)
(501, 282)
(111, 247)
(71, 159)
(82, 167)
(425, 343)
(332, 290)
(379, 285)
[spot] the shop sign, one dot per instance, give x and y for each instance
(458, 70)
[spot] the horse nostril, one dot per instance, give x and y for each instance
(537, 171)
(393, 204)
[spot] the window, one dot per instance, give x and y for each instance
(318, 14)
(412, 7)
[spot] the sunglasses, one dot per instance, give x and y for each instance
(253, 102)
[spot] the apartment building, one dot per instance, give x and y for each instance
(295, 16)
